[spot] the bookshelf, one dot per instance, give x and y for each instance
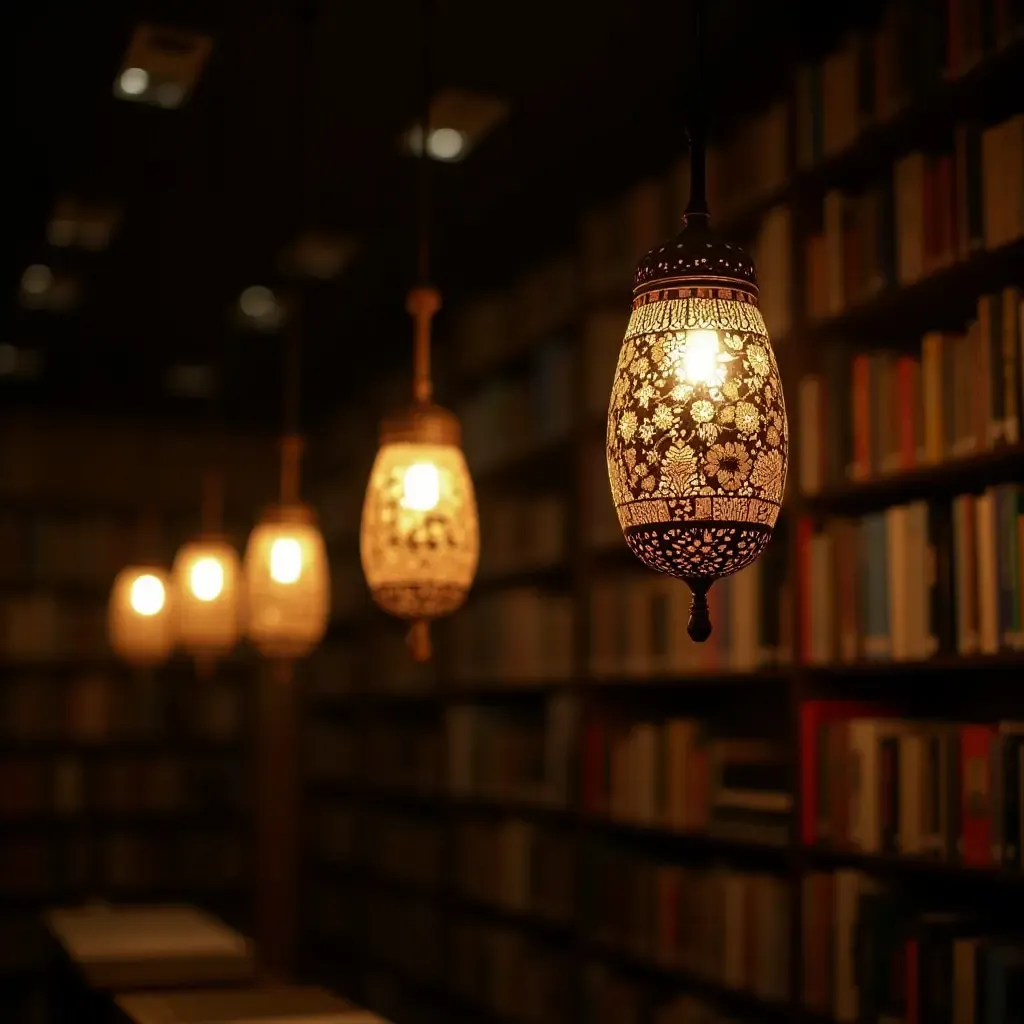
(115, 785)
(573, 813)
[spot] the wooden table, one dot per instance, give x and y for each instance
(102, 950)
(281, 1005)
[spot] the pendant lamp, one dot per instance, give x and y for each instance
(141, 613)
(206, 575)
(419, 537)
(697, 437)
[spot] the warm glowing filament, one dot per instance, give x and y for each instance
(421, 487)
(147, 595)
(285, 560)
(700, 362)
(207, 579)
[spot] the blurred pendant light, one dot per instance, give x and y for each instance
(697, 437)
(206, 576)
(141, 613)
(419, 539)
(287, 578)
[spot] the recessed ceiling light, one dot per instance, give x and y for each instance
(257, 302)
(133, 81)
(445, 143)
(463, 120)
(37, 279)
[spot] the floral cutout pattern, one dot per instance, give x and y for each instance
(697, 438)
(419, 561)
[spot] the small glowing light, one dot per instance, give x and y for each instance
(700, 363)
(285, 560)
(134, 81)
(147, 595)
(37, 279)
(445, 143)
(60, 232)
(207, 579)
(257, 302)
(421, 487)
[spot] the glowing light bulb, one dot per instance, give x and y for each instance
(445, 143)
(421, 487)
(207, 579)
(147, 595)
(134, 81)
(700, 362)
(285, 560)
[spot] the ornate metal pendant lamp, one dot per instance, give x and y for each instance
(697, 438)
(419, 539)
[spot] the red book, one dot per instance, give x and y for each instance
(913, 1010)
(594, 796)
(906, 397)
(668, 906)
(861, 371)
(976, 792)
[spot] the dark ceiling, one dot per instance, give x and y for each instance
(211, 192)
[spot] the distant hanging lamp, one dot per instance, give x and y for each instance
(419, 540)
(206, 574)
(697, 439)
(287, 578)
(141, 612)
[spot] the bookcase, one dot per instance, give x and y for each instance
(116, 785)
(575, 814)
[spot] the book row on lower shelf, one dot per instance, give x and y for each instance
(962, 395)
(728, 927)
(680, 775)
(915, 580)
(70, 786)
(872, 952)
(95, 708)
(123, 863)
(880, 784)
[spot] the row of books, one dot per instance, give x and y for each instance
(964, 394)
(521, 534)
(514, 755)
(40, 627)
(71, 786)
(402, 930)
(123, 863)
(402, 847)
(638, 623)
(509, 973)
(333, 831)
(520, 634)
(494, 326)
(915, 580)
(512, 417)
(678, 775)
(331, 750)
(516, 865)
(403, 756)
(872, 952)
(871, 77)
(938, 208)
(93, 709)
(877, 783)
(729, 927)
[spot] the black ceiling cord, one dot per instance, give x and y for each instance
(697, 207)
(427, 84)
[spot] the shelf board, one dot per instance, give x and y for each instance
(946, 479)
(1005, 661)
(935, 871)
(212, 818)
(684, 981)
(556, 576)
(523, 919)
(945, 299)
(711, 679)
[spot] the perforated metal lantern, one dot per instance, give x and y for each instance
(697, 439)
(141, 616)
(206, 576)
(419, 540)
(287, 582)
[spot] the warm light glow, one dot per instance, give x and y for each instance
(147, 595)
(257, 302)
(207, 579)
(285, 560)
(701, 359)
(134, 81)
(445, 143)
(421, 487)
(37, 279)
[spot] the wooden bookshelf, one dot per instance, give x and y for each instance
(628, 693)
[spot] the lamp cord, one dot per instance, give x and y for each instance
(698, 205)
(424, 301)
